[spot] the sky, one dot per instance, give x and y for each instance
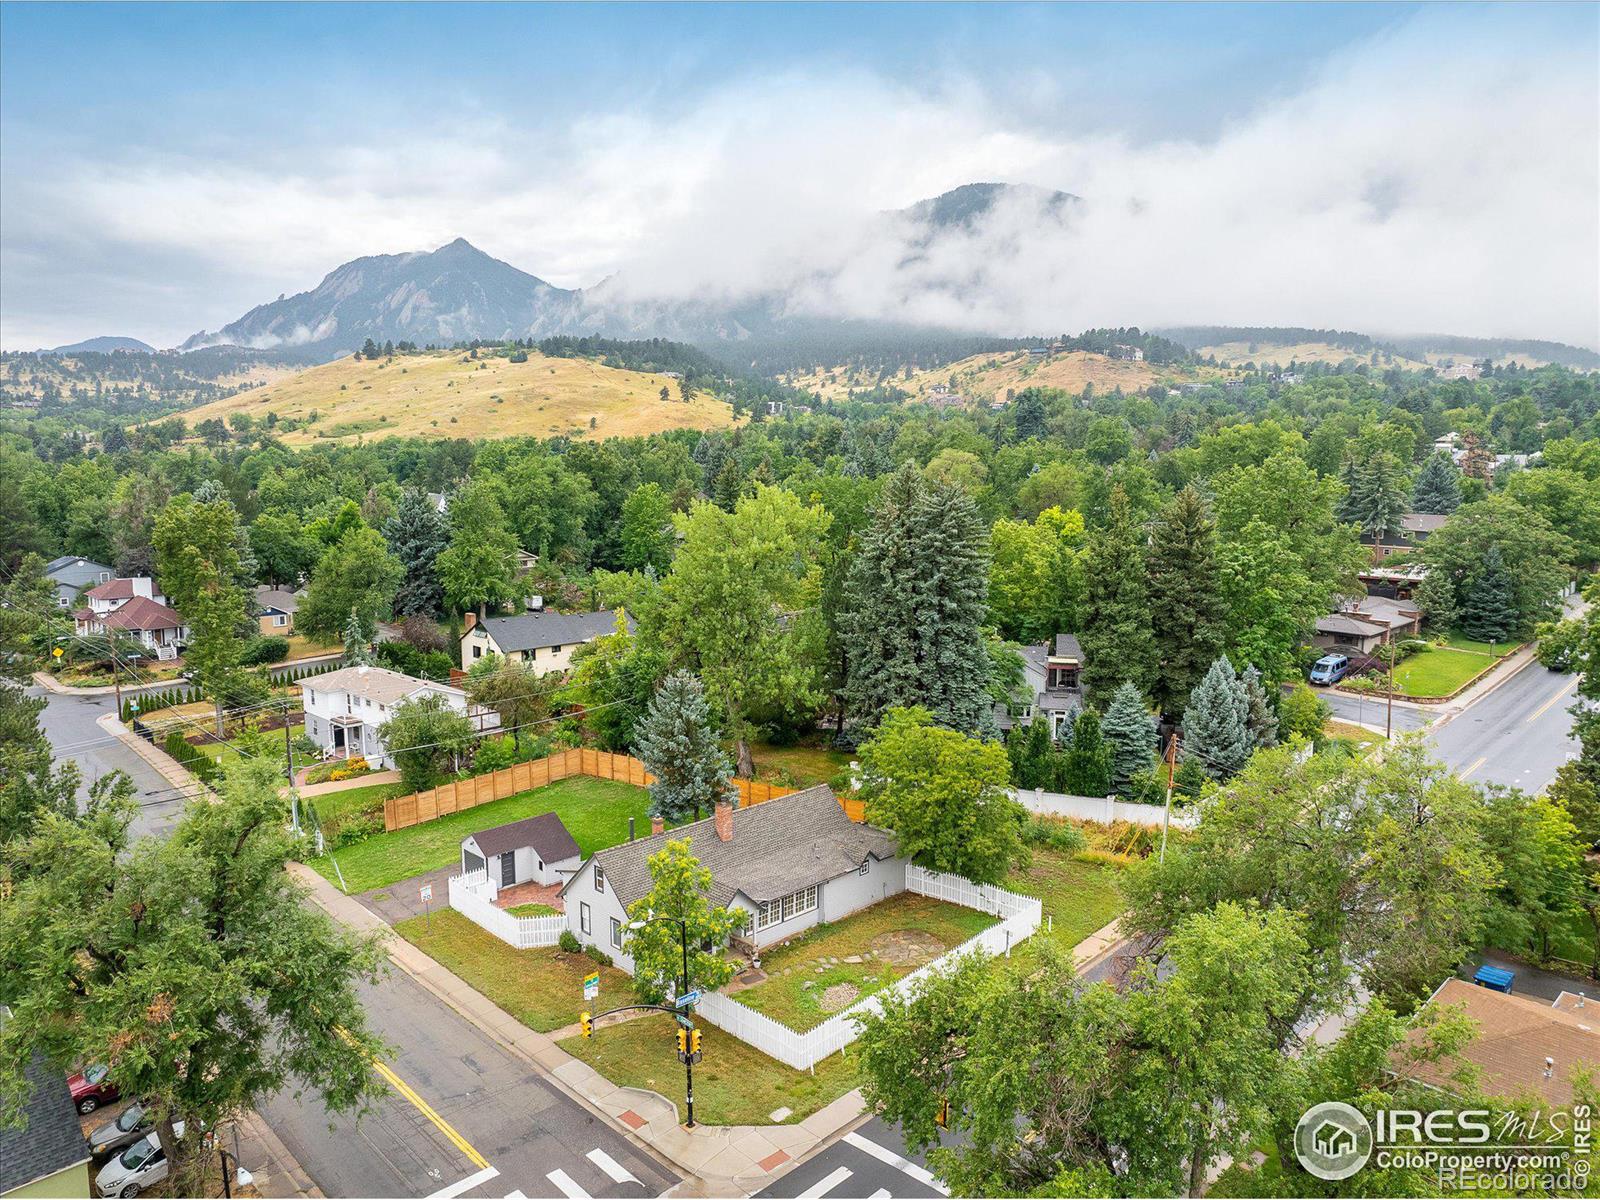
(1384, 168)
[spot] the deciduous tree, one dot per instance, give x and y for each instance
(680, 889)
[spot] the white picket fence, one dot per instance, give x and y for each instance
(1104, 809)
(470, 896)
(1020, 916)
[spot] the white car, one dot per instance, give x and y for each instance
(140, 1166)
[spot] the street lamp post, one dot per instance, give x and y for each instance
(683, 990)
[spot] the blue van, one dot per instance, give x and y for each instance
(1330, 668)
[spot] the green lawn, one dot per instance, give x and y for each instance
(595, 812)
(797, 766)
(542, 988)
(1460, 641)
(532, 910)
(796, 998)
(735, 1084)
(1079, 897)
(1433, 673)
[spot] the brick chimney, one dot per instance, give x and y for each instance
(469, 621)
(723, 815)
(657, 825)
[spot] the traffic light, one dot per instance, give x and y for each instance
(694, 1041)
(586, 1023)
(683, 1040)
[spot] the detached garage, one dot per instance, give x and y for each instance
(537, 850)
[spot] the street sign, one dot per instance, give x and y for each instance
(688, 998)
(56, 652)
(427, 892)
(591, 986)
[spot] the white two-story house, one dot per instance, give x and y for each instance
(346, 710)
(544, 639)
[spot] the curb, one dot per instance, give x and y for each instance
(280, 1159)
(160, 760)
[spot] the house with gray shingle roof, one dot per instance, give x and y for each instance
(534, 850)
(70, 575)
(791, 863)
(48, 1154)
(545, 639)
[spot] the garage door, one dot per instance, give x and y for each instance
(470, 862)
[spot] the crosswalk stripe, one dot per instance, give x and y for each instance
(880, 1194)
(884, 1154)
(826, 1184)
(464, 1185)
(618, 1172)
(519, 1194)
(564, 1183)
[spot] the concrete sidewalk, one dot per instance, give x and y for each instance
(309, 790)
(724, 1159)
(157, 758)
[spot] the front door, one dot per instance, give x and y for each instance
(508, 868)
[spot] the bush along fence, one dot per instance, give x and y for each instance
(402, 812)
(1020, 917)
(469, 896)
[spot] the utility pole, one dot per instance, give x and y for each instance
(1166, 816)
(288, 771)
(1388, 719)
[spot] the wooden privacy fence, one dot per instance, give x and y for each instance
(404, 811)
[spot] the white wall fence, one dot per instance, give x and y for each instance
(469, 896)
(1104, 809)
(1020, 916)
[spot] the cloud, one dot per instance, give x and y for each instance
(1441, 177)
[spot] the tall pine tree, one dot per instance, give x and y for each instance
(416, 534)
(915, 604)
(1131, 735)
(1489, 600)
(1438, 487)
(1263, 723)
(1117, 643)
(1086, 764)
(1216, 724)
(1186, 619)
(676, 741)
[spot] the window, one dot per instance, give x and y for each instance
(796, 904)
(477, 652)
(554, 650)
(583, 917)
(280, 620)
(616, 933)
(865, 868)
(599, 878)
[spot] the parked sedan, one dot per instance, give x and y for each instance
(142, 1165)
(92, 1087)
(128, 1128)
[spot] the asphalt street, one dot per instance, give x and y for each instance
(69, 723)
(1520, 733)
(465, 1117)
(1370, 711)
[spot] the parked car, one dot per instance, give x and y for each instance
(140, 1166)
(128, 1128)
(1330, 668)
(92, 1087)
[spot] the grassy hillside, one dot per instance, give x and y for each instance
(449, 394)
(1281, 355)
(986, 377)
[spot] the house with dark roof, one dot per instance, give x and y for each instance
(534, 850)
(70, 574)
(1052, 689)
(545, 639)
(132, 606)
(48, 1154)
(790, 863)
(1361, 625)
(275, 609)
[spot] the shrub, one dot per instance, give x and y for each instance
(1055, 832)
(569, 942)
(599, 955)
(191, 759)
(349, 768)
(264, 650)
(357, 827)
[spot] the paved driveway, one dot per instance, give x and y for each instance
(399, 901)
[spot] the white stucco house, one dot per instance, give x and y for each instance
(545, 639)
(535, 850)
(346, 710)
(791, 863)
